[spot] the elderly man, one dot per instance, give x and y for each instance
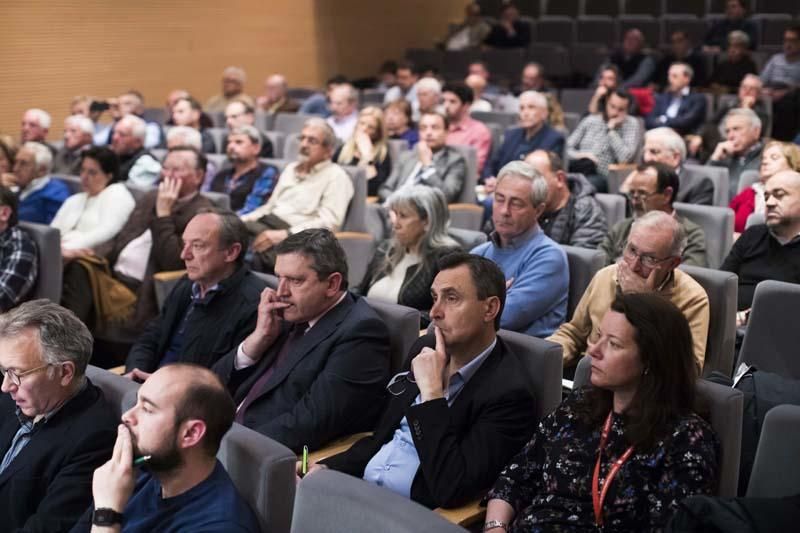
(40, 196)
(771, 250)
(654, 187)
(535, 267)
(233, 80)
(18, 254)
(429, 94)
(180, 417)
(464, 129)
(184, 136)
(238, 113)
(663, 145)
(248, 182)
(531, 79)
(635, 66)
(55, 425)
(461, 388)
(677, 107)
(78, 136)
(407, 77)
(149, 242)
(571, 214)
(35, 126)
(604, 139)
(130, 103)
(344, 111)
(431, 163)
(648, 264)
(136, 164)
(187, 112)
(275, 98)
(742, 147)
(312, 192)
(315, 365)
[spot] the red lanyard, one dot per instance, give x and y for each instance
(599, 497)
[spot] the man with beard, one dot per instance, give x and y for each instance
(181, 414)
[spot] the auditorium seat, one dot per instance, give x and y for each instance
(649, 26)
(404, 325)
(613, 207)
(719, 176)
(49, 268)
(643, 7)
(503, 118)
(467, 195)
(120, 392)
(466, 216)
(456, 63)
(585, 59)
(608, 8)
(288, 123)
(576, 100)
(776, 471)
(220, 200)
(717, 224)
(276, 138)
(467, 239)
(358, 249)
(554, 58)
(696, 8)
(773, 27)
(355, 218)
(555, 29)
(747, 179)
(563, 8)
(694, 27)
(596, 29)
(788, 7)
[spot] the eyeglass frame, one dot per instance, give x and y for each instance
(16, 378)
(629, 255)
(641, 194)
(408, 375)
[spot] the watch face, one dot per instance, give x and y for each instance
(106, 517)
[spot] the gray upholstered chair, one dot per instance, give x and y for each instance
(279, 163)
(583, 265)
(331, 502)
(754, 220)
(722, 290)
(404, 325)
(50, 269)
(466, 216)
(289, 123)
(219, 200)
(717, 224)
(358, 248)
(291, 146)
(613, 206)
(218, 134)
(355, 218)
(467, 195)
(505, 119)
(277, 139)
(776, 471)
(468, 239)
(747, 179)
(719, 176)
(120, 392)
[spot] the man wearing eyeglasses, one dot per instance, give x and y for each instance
(649, 263)
(654, 187)
(55, 425)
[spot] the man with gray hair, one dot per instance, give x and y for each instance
(40, 195)
(136, 164)
(56, 427)
(78, 136)
(275, 98)
(344, 111)
(535, 267)
(649, 263)
(233, 80)
(677, 107)
(429, 96)
(35, 125)
(742, 147)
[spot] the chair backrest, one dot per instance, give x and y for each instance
(776, 470)
(466, 216)
(613, 206)
(358, 249)
(218, 134)
(279, 163)
(747, 179)
(772, 339)
(754, 219)
(722, 290)
(583, 265)
(159, 153)
(218, 199)
(505, 119)
(119, 392)
(290, 122)
(576, 100)
(720, 177)
(396, 148)
(717, 224)
(291, 146)
(264, 474)
(218, 159)
(543, 360)
(50, 268)
(467, 195)
(277, 139)
(404, 326)
(355, 219)
(468, 239)
(330, 502)
(73, 183)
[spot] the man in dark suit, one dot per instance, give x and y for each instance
(461, 409)
(314, 367)
(663, 145)
(678, 108)
(55, 425)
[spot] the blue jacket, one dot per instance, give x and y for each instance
(691, 113)
(516, 146)
(41, 205)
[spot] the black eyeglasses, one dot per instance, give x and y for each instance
(397, 385)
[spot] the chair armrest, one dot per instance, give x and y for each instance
(337, 446)
(168, 275)
(118, 370)
(465, 515)
(465, 207)
(372, 199)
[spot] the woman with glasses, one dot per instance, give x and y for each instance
(620, 454)
(368, 148)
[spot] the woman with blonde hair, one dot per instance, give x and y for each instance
(368, 148)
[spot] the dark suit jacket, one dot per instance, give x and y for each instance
(461, 448)
(449, 176)
(691, 113)
(695, 188)
(48, 485)
(515, 147)
(331, 383)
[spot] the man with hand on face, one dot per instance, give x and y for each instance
(649, 263)
(742, 148)
(314, 366)
(462, 403)
(178, 422)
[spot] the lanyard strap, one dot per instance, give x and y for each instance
(598, 497)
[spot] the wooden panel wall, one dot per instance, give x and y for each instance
(56, 49)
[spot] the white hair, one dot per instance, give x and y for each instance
(235, 72)
(521, 169)
(42, 155)
(81, 122)
(660, 220)
(743, 112)
(431, 84)
(669, 139)
(185, 136)
(539, 100)
(42, 117)
(328, 136)
(138, 126)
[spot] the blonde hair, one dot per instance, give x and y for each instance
(349, 149)
(790, 151)
(555, 114)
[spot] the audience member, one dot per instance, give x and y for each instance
(404, 265)
(149, 242)
(387, 75)
(237, 113)
(18, 254)
(531, 79)
(56, 426)
(654, 187)
(137, 165)
(429, 95)
(431, 163)
(607, 83)
(649, 263)
(233, 80)
(211, 309)
(464, 129)
(398, 122)
(317, 103)
(636, 67)
(78, 136)
(344, 111)
(313, 367)
(677, 107)
(129, 103)
(771, 250)
(461, 406)
(35, 126)
(681, 51)
(535, 267)
(734, 20)
(510, 32)
(407, 77)
(7, 155)
(312, 192)
(180, 417)
(184, 136)
(172, 99)
(777, 157)
(275, 98)
(40, 195)
(469, 34)
(600, 140)
(96, 215)
(742, 147)
(731, 69)
(186, 112)
(248, 181)
(571, 214)
(642, 397)
(477, 86)
(781, 77)
(368, 148)
(481, 68)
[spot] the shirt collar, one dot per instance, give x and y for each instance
(33, 186)
(198, 298)
(781, 240)
(519, 240)
(42, 419)
(467, 371)
(315, 169)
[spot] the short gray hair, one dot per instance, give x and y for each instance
(539, 99)
(662, 220)
(669, 138)
(231, 230)
(687, 68)
(743, 112)
(185, 136)
(250, 131)
(83, 123)
(138, 126)
(431, 84)
(521, 169)
(62, 336)
(739, 37)
(42, 155)
(328, 136)
(42, 117)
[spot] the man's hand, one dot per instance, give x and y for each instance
(601, 91)
(168, 192)
(268, 324)
(269, 238)
(694, 143)
(137, 375)
(9, 179)
(112, 484)
(723, 150)
(629, 281)
(429, 367)
(69, 255)
(749, 101)
(424, 153)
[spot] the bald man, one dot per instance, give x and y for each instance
(275, 98)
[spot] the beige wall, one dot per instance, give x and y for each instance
(56, 49)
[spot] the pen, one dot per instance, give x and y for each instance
(305, 460)
(141, 460)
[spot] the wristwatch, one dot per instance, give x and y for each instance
(106, 517)
(494, 524)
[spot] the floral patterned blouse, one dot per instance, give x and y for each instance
(549, 482)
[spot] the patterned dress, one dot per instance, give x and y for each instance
(549, 482)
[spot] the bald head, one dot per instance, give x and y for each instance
(782, 194)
